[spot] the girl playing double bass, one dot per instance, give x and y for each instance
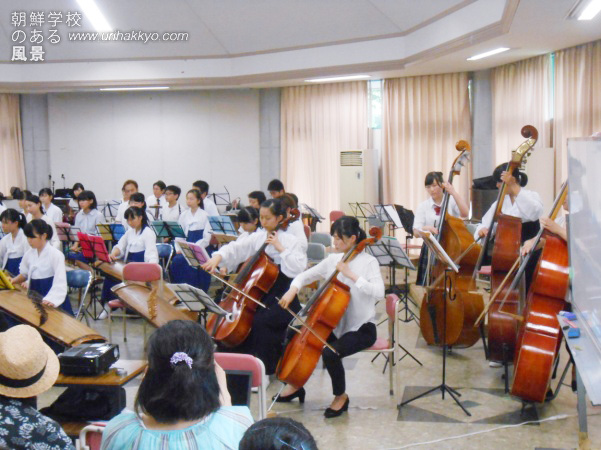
(269, 324)
(356, 330)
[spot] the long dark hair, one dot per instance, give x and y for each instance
(134, 211)
(37, 227)
(347, 226)
(198, 196)
(276, 206)
(12, 215)
(88, 195)
(172, 392)
(249, 215)
(434, 177)
(35, 199)
(520, 176)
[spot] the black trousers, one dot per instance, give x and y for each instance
(348, 344)
(269, 327)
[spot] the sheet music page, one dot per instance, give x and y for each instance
(394, 215)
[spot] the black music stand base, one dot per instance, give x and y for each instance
(443, 387)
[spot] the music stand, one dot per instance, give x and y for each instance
(93, 248)
(197, 300)
(110, 209)
(156, 211)
(67, 233)
(168, 229)
(195, 255)
(443, 257)
(222, 225)
(222, 199)
(314, 216)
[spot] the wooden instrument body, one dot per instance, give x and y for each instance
(502, 328)
(59, 327)
(260, 279)
(464, 309)
(304, 350)
(540, 334)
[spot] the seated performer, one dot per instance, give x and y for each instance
(256, 199)
(207, 204)
(77, 189)
(172, 210)
(34, 208)
(356, 330)
(50, 209)
(14, 244)
(157, 199)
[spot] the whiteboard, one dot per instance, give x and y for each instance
(584, 166)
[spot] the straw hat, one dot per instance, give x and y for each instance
(28, 366)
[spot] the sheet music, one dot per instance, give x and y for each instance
(222, 225)
(435, 247)
(394, 215)
(196, 299)
(388, 250)
(194, 254)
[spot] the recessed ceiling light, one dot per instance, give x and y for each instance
(92, 13)
(149, 88)
(487, 54)
(591, 10)
(343, 78)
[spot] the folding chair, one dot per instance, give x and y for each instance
(321, 238)
(247, 363)
(335, 215)
(165, 255)
(81, 280)
(135, 272)
(315, 253)
(90, 437)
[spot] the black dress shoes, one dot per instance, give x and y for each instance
(329, 412)
(288, 398)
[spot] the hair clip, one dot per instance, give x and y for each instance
(179, 357)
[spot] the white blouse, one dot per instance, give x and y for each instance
(210, 207)
(49, 263)
(425, 215)
(87, 222)
(364, 293)
(54, 241)
(13, 248)
(54, 212)
(133, 242)
(152, 201)
(121, 211)
(527, 206)
(172, 214)
(199, 220)
(293, 260)
(298, 229)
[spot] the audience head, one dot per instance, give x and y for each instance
(129, 187)
(172, 193)
(346, 232)
(194, 199)
(278, 433)
(249, 219)
(87, 200)
(520, 177)
(202, 186)
(28, 367)
(276, 188)
(77, 189)
(272, 212)
(12, 220)
(180, 383)
(38, 232)
(158, 188)
(136, 217)
(256, 199)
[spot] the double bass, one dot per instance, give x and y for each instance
(256, 277)
(540, 335)
(324, 310)
(502, 328)
(461, 312)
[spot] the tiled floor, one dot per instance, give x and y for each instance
(375, 422)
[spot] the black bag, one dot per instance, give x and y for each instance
(87, 403)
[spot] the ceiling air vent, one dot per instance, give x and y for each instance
(353, 158)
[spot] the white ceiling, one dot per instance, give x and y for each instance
(257, 43)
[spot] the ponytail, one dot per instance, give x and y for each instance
(37, 228)
(348, 226)
(12, 215)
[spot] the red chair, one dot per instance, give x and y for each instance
(247, 363)
(133, 272)
(335, 215)
(90, 437)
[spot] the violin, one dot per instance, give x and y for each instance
(324, 310)
(502, 328)
(540, 335)
(256, 277)
(463, 310)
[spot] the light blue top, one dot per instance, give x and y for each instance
(221, 430)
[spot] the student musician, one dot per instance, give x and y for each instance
(50, 209)
(137, 201)
(256, 199)
(208, 205)
(172, 210)
(21, 196)
(44, 267)
(195, 223)
(14, 244)
(557, 227)
(86, 220)
(276, 188)
(129, 187)
(157, 199)
(270, 323)
(248, 218)
(297, 228)
(77, 189)
(138, 244)
(518, 202)
(357, 328)
(427, 215)
(34, 208)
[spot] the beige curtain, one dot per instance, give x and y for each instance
(12, 166)
(422, 119)
(521, 96)
(577, 98)
(317, 122)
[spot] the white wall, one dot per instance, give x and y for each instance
(102, 139)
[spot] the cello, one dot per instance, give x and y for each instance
(502, 328)
(324, 310)
(256, 277)
(540, 335)
(459, 244)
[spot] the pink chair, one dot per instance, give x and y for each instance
(387, 346)
(247, 363)
(335, 215)
(133, 272)
(90, 437)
